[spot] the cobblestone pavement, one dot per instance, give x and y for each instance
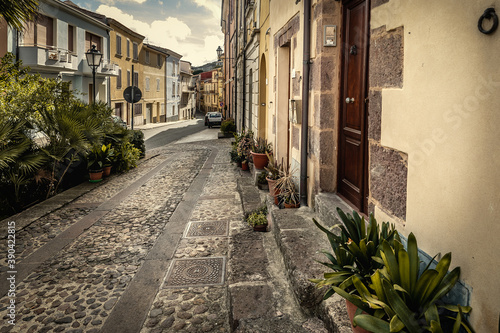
(77, 289)
(162, 248)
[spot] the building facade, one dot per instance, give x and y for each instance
(55, 45)
(153, 59)
(173, 97)
(188, 98)
(376, 103)
(125, 47)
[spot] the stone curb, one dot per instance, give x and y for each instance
(299, 241)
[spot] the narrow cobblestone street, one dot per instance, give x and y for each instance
(88, 281)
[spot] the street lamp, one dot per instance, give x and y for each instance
(94, 58)
(219, 52)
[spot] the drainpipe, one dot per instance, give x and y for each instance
(305, 103)
(243, 102)
(235, 83)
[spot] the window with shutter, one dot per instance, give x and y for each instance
(135, 51)
(71, 45)
(119, 80)
(118, 45)
(147, 84)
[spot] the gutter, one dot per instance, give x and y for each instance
(305, 102)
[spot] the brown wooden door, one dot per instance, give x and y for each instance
(353, 180)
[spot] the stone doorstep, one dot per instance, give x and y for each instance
(299, 241)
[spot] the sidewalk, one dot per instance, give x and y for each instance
(164, 248)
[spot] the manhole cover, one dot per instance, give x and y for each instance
(196, 272)
(207, 229)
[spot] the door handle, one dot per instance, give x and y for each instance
(349, 100)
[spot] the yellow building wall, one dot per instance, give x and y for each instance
(125, 63)
(154, 72)
(446, 119)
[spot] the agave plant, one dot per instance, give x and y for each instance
(402, 299)
(354, 250)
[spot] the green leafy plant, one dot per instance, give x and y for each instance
(372, 270)
(274, 168)
(261, 179)
(260, 146)
(228, 126)
(405, 298)
(257, 217)
(106, 155)
(354, 248)
(94, 159)
(244, 145)
(137, 140)
(126, 157)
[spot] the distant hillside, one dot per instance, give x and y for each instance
(206, 67)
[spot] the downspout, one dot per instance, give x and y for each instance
(305, 103)
(243, 86)
(235, 83)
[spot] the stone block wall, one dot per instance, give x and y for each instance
(388, 168)
(324, 103)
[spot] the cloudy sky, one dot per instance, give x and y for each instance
(188, 27)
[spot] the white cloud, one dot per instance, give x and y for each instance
(212, 5)
(172, 33)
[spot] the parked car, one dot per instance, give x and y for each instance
(119, 121)
(214, 119)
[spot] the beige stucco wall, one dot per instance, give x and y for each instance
(281, 13)
(446, 118)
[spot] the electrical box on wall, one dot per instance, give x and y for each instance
(330, 35)
(295, 111)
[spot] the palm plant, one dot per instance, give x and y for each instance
(18, 160)
(17, 12)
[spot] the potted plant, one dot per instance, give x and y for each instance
(374, 272)
(347, 260)
(106, 155)
(262, 181)
(274, 171)
(244, 144)
(257, 219)
(407, 298)
(244, 165)
(94, 164)
(260, 151)
(287, 189)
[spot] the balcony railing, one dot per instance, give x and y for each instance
(45, 57)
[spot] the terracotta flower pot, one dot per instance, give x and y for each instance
(259, 160)
(244, 166)
(291, 205)
(106, 171)
(260, 227)
(351, 311)
(95, 175)
(273, 191)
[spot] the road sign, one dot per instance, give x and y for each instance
(221, 104)
(127, 94)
